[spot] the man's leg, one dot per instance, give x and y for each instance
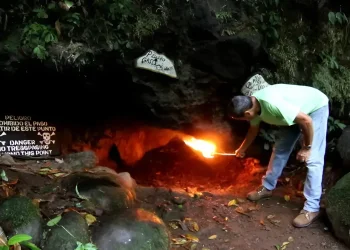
(284, 145)
(315, 163)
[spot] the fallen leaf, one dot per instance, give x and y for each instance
(193, 246)
(287, 198)
(3, 239)
(240, 200)
(192, 238)
(232, 203)
(262, 222)
(45, 169)
(36, 202)
(69, 209)
(90, 219)
(58, 29)
(4, 176)
(284, 245)
(195, 226)
(205, 248)
(173, 225)
(252, 208)
(179, 241)
(213, 237)
(54, 221)
(14, 182)
(59, 174)
(240, 210)
(273, 221)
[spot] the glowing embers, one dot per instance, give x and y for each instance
(205, 147)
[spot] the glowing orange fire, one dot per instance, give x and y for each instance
(205, 147)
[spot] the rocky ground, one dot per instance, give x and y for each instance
(62, 202)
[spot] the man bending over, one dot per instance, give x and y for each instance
(297, 109)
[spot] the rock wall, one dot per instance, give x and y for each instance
(210, 69)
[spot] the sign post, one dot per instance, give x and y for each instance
(254, 84)
(25, 136)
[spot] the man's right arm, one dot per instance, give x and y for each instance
(250, 137)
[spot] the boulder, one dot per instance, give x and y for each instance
(72, 228)
(133, 229)
(337, 207)
(204, 25)
(343, 147)
(18, 215)
(102, 189)
(231, 58)
(80, 160)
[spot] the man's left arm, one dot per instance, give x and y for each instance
(305, 123)
(293, 115)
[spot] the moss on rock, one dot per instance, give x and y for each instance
(133, 229)
(65, 235)
(338, 200)
(18, 215)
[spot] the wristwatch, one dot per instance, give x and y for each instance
(307, 147)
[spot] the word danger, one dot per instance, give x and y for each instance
(27, 147)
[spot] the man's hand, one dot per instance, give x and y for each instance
(303, 155)
(240, 153)
(252, 133)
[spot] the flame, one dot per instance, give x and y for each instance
(205, 147)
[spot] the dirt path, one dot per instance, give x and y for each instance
(262, 226)
(186, 194)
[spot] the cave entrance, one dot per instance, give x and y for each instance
(176, 165)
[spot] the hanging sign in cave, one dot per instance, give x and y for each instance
(25, 136)
(158, 63)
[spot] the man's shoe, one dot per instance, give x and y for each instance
(259, 194)
(305, 218)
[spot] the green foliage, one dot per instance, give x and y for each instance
(269, 136)
(286, 55)
(118, 25)
(224, 15)
(146, 24)
(41, 13)
(270, 20)
(334, 83)
(20, 239)
(36, 37)
(335, 125)
(54, 221)
(270, 23)
(80, 246)
(87, 246)
(329, 61)
(338, 17)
